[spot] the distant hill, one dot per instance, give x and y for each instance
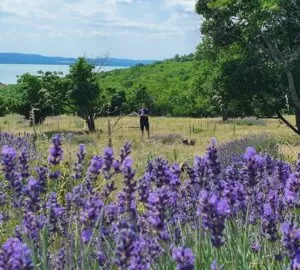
(21, 58)
(171, 86)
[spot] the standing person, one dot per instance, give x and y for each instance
(144, 120)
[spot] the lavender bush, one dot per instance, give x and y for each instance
(201, 216)
(233, 151)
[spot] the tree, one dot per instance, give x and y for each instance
(53, 92)
(84, 92)
(267, 34)
(117, 101)
(45, 94)
(29, 87)
(138, 96)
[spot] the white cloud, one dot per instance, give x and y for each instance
(124, 27)
(187, 5)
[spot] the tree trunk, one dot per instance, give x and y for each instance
(276, 55)
(292, 87)
(224, 117)
(91, 123)
(297, 116)
(294, 94)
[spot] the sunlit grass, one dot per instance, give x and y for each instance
(127, 129)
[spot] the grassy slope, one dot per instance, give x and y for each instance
(168, 82)
(167, 74)
(202, 130)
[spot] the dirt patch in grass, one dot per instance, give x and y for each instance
(167, 139)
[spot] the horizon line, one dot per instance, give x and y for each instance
(76, 57)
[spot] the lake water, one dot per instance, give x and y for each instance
(9, 72)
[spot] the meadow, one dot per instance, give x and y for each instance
(145, 212)
(166, 135)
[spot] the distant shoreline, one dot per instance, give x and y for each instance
(33, 59)
(9, 72)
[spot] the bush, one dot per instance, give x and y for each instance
(233, 150)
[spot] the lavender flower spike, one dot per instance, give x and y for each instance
(15, 255)
(32, 191)
(8, 162)
(215, 266)
(24, 163)
(78, 168)
(184, 258)
(56, 152)
(291, 242)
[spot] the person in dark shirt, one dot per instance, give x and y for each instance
(144, 120)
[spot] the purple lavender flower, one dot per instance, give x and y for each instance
(290, 238)
(111, 213)
(78, 196)
(55, 175)
(250, 153)
(125, 151)
(18, 232)
(93, 172)
(108, 160)
(32, 191)
(213, 212)
(32, 225)
(252, 172)
(140, 259)
(90, 215)
(269, 222)
(158, 212)
(42, 177)
(144, 187)
(3, 217)
(24, 163)
(56, 152)
(295, 263)
(2, 195)
(234, 191)
(255, 247)
(292, 189)
(214, 166)
(291, 242)
(78, 167)
(86, 235)
(284, 170)
(8, 161)
(215, 266)
(15, 255)
(160, 172)
(119, 167)
(127, 251)
(129, 188)
(58, 261)
(184, 258)
(55, 213)
(101, 258)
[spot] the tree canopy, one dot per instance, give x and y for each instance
(255, 45)
(84, 93)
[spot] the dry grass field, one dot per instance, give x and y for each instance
(166, 135)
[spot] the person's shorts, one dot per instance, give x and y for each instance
(144, 124)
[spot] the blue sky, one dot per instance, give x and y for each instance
(139, 29)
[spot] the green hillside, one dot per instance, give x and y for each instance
(174, 87)
(168, 87)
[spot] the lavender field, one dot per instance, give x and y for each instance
(98, 214)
